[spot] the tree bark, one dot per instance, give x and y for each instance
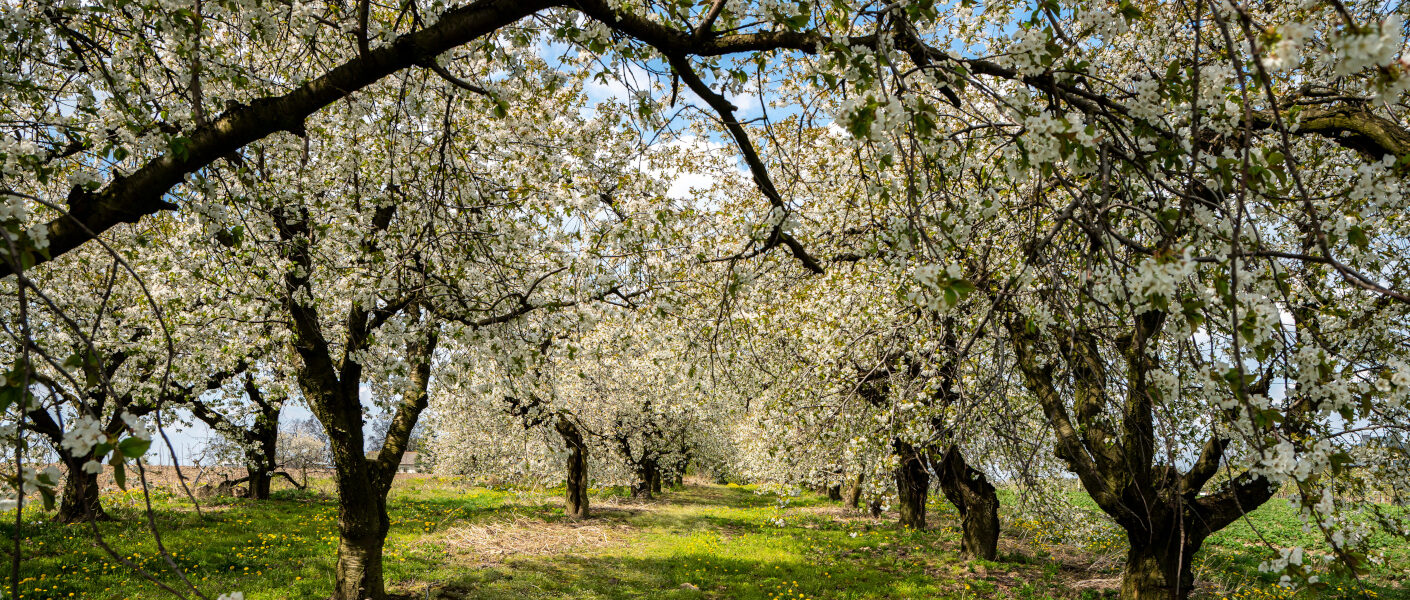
(362, 528)
(975, 498)
(264, 437)
(854, 493)
(260, 463)
(834, 492)
(1159, 568)
(645, 475)
(1162, 510)
(80, 502)
(912, 485)
(577, 497)
(260, 479)
(655, 478)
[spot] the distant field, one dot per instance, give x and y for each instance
(701, 541)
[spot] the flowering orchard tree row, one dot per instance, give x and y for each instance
(1162, 241)
(1182, 269)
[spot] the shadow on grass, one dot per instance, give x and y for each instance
(686, 577)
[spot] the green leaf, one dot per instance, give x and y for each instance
(134, 447)
(1357, 236)
(119, 472)
(10, 394)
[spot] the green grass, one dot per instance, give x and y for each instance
(697, 542)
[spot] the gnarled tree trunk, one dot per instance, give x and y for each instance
(362, 529)
(1158, 564)
(645, 477)
(80, 503)
(912, 485)
(854, 493)
(1162, 510)
(577, 497)
(975, 498)
(260, 473)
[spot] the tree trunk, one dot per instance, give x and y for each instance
(1159, 569)
(875, 507)
(655, 478)
(359, 569)
(260, 472)
(834, 492)
(854, 493)
(263, 453)
(577, 498)
(362, 530)
(645, 474)
(678, 476)
(912, 486)
(80, 502)
(975, 498)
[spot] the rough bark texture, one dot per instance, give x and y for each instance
(975, 498)
(577, 498)
(912, 486)
(854, 493)
(261, 459)
(834, 492)
(80, 501)
(646, 476)
(260, 480)
(1162, 570)
(1162, 510)
(362, 528)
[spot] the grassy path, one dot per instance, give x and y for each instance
(697, 542)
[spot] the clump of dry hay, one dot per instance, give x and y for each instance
(525, 536)
(626, 502)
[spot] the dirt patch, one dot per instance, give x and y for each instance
(523, 537)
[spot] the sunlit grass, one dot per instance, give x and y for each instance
(698, 542)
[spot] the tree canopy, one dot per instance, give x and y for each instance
(1155, 248)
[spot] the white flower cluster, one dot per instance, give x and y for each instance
(13, 208)
(1042, 136)
(1284, 462)
(38, 235)
(1372, 47)
(1160, 280)
(1287, 556)
(32, 479)
(1101, 23)
(135, 425)
(13, 154)
(1145, 103)
(594, 31)
(933, 280)
(1287, 53)
(84, 433)
(782, 9)
(1030, 54)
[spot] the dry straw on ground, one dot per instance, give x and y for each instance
(527, 536)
